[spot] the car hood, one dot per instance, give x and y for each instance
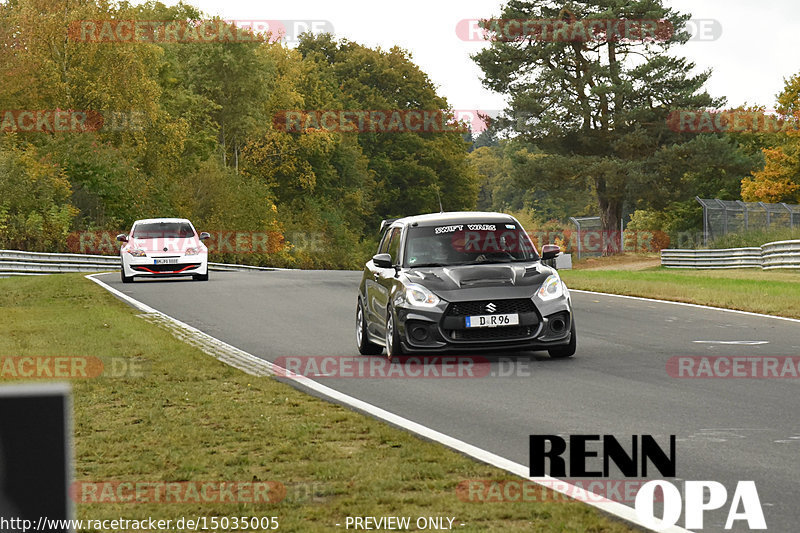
(453, 279)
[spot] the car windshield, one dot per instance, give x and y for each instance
(163, 230)
(473, 243)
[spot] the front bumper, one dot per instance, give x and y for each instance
(184, 265)
(542, 325)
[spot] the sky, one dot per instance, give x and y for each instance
(753, 50)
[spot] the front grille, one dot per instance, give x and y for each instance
(454, 326)
(519, 305)
(166, 268)
(476, 334)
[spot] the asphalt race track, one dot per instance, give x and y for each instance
(727, 429)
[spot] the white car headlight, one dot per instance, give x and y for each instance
(551, 289)
(420, 296)
(136, 252)
(191, 251)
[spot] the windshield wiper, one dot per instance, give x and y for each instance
(415, 265)
(504, 260)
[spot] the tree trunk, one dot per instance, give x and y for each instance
(224, 148)
(610, 217)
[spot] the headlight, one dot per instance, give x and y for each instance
(136, 252)
(551, 289)
(420, 296)
(191, 251)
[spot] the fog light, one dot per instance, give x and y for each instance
(419, 333)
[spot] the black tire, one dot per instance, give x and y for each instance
(200, 277)
(365, 346)
(125, 279)
(567, 350)
(393, 346)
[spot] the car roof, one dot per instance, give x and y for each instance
(435, 219)
(157, 220)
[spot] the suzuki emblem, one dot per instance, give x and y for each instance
(491, 308)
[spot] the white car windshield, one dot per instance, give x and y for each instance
(163, 230)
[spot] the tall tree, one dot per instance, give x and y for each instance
(411, 169)
(779, 180)
(597, 103)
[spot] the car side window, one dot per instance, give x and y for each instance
(384, 245)
(394, 245)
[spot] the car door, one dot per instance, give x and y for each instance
(387, 277)
(372, 289)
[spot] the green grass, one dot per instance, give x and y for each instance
(755, 238)
(755, 290)
(193, 418)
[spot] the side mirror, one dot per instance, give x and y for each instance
(550, 251)
(203, 236)
(382, 260)
(122, 237)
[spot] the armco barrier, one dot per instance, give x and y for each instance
(728, 258)
(782, 254)
(18, 263)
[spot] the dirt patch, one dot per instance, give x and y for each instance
(619, 262)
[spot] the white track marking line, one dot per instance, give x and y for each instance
(698, 306)
(744, 343)
(608, 506)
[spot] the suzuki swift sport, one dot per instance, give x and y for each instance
(462, 281)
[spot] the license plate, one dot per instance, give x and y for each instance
(170, 261)
(492, 321)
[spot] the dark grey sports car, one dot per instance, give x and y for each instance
(462, 281)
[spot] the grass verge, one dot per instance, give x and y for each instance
(192, 418)
(759, 291)
(754, 238)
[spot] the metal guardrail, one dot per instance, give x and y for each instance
(781, 254)
(19, 263)
(727, 258)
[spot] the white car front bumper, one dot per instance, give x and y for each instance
(164, 264)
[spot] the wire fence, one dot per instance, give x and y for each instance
(721, 217)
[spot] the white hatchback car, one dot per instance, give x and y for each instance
(163, 247)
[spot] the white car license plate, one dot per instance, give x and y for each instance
(169, 261)
(492, 321)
